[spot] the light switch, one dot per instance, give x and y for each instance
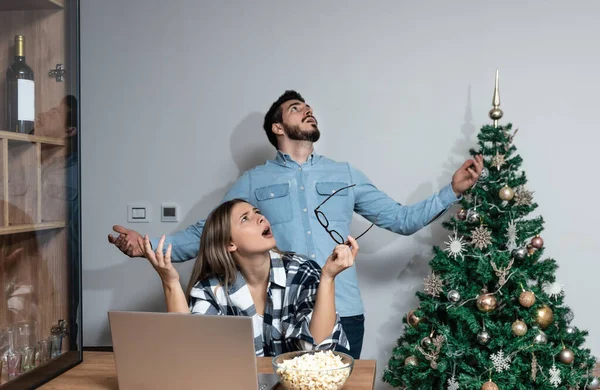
(138, 212)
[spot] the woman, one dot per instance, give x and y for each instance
(239, 271)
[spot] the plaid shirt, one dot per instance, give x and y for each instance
(291, 297)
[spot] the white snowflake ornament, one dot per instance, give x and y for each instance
(554, 290)
(453, 383)
(511, 236)
(455, 246)
(555, 376)
(500, 362)
(531, 283)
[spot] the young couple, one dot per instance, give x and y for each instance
(240, 271)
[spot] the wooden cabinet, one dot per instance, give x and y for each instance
(40, 264)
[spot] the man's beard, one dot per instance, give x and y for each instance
(296, 134)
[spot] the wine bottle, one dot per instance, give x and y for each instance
(20, 92)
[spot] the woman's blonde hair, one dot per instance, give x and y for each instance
(214, 260)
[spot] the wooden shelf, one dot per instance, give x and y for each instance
(17, 5)
(31, 228)
(31, 138)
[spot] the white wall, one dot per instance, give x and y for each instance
(173, 95)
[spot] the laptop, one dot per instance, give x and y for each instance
(183, 351)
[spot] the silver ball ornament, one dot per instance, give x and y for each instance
(570, 330)
(426, 342)
(593, 384)
(453, 296)
(540, 338)
(569, 315)
(519, 253)
(472, 216)
(483, 337)
(484, 174)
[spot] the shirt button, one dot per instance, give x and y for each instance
(308, 232)
(301, 188)
(305, 210)
(271, 194)
(313, 256)
(299, 168)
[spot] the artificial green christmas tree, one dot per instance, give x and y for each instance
(491, 314)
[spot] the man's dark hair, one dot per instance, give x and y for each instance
(275, 114)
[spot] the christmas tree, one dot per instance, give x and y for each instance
(491, 314)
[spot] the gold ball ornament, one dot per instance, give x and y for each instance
(519, 328)
(566, 356)
(411, 361)
(506, 193)
(412, 319)
(495, 113)
(527, 299)
(544, 317)
(486, 303)
(489, 385)
(530, 249)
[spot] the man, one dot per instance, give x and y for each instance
(289, 188)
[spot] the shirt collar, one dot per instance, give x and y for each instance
(277, 275)
(284, 158)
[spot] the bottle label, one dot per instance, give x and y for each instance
(26, 100)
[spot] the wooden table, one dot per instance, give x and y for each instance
(98, 372)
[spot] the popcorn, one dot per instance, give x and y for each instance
(322, 370)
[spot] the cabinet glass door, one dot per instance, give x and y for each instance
(40, 264)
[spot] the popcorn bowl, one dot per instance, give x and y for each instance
(315, 370)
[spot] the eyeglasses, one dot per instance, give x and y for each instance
(335, 235)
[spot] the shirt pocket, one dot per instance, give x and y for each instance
(275, 202)
(337, 208)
